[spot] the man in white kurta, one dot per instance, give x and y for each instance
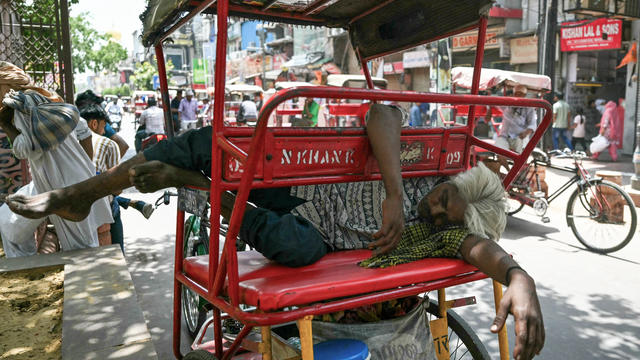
(61, 165)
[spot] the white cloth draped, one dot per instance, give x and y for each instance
(64, 165)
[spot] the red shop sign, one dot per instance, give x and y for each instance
(588, 35)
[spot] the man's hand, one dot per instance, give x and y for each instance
(392, 226)
(521, 300)
(523, 135)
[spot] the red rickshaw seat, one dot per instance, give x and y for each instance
(270, 286)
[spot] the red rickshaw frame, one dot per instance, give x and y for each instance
(225, 269)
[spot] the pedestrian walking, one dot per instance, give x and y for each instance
(188, 111)
(578, 126)
(561, 116)
(608, 129)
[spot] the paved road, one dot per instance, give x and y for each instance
(591, 302)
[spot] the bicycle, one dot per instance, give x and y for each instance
(596, 209)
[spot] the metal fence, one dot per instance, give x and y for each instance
(35, 36)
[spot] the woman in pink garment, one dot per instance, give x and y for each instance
(620, 123)
(609, 128)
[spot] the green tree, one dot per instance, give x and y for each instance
(83, 40)
(143, 75)
(92, 50)
(108, 56)
(125, 90)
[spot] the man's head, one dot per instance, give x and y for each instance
(88, 98)
(189, 94)
(520, 91)
(558, 96)
(179, 94)
(592, 103)
(246, 97)
(474, 198)
(96, 118)
(152, 102)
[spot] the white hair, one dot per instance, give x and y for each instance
(482, 189)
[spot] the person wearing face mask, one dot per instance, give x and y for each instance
(402, 220)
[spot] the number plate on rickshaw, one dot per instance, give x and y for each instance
(193, 201)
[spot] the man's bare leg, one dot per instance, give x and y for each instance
(74, 202)
(154, 175)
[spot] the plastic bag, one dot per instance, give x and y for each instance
(403, 338)
(598, 144)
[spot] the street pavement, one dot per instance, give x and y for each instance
(591, 302)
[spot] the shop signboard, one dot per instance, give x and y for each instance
(393, 68)
(524, 50)
(199, 72)
(416, 59)
(589, 35)
(469, 40)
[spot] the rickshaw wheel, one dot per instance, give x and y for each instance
(196, 243)
(200, 355)
(463, 341)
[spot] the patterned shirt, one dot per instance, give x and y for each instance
(153, 119)
(106, 153)
(347, 214)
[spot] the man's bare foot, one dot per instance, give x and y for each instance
(153, 175)
(55, 202)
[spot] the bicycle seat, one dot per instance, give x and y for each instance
(539, 155)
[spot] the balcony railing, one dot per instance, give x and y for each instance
(626, 9)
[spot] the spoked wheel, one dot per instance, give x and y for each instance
(464, 344)
(602, 216)
(196, 242)
(513, 206)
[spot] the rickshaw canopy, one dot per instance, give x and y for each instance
(492, 78)
(289, 84)
(348, 80)
(376, 27)
(243, 88)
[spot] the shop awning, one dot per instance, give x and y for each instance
(491, 78)
(375, 26)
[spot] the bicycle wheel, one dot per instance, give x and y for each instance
(196, 242)
(602, 216)
(513, 206)
(464, 344)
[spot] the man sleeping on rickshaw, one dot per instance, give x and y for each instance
(400, 219)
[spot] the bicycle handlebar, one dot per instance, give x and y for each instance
(165, 198)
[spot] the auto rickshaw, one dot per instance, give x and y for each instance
(260, 294)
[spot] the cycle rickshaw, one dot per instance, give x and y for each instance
(262, 157)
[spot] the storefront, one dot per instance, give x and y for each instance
(524, 54)
(416, 70)
(591, 50)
